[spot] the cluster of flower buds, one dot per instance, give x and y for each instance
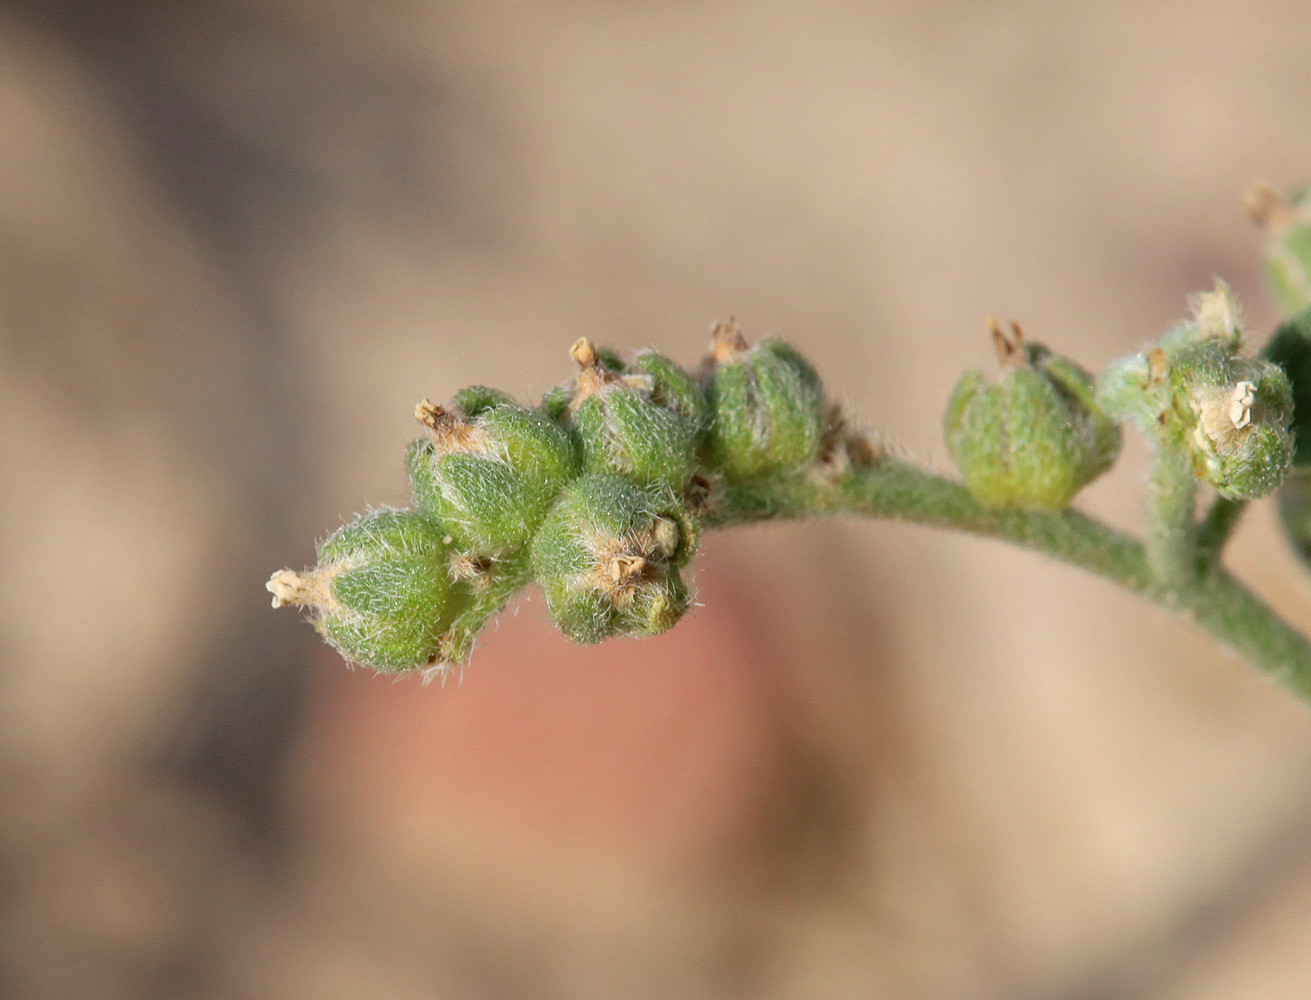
(596, 495)
(1197, 391)
(1035, 437)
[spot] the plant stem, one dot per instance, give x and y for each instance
(1171, 511)
(890, 488)
(1215, 529)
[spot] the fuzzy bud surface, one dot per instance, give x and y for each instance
(1035, 437)
(608, 557)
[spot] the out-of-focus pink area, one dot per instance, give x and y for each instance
(237, 244)
(609, 749)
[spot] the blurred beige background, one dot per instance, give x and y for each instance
(238, 241)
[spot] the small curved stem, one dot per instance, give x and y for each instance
(1171, 518)
(1214, 531)
(889, 488)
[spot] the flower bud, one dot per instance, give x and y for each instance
(382, 593)
(608, 556)
(1196, 391)
(1132, 390)
(489, 468)
(768, 414)
(642, 421)
(1034, 438)
(1239, 441)
(1233, 411)
(1287, 225)
(1143, 389)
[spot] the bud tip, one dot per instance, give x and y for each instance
(583, 353)
(428, 413)
(625, 567)
(592, 376)
(726, 340)
(304, 590)
(1010, 350)
(1217, 313)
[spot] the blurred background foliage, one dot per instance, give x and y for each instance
(238, 241)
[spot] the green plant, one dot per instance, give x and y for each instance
(600, 493)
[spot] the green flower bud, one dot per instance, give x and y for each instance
(1196, 391)
(1287, 225)
(489, 469)
(1235, 412)
(1239, 441)
(642, 421)
(1132, 390)
(382, 593)
(608, 557)
(768, 415)
(1034, 438)
(1135, 389)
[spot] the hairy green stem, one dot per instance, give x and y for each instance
(1214, 531)
(892, 489)
(1171, 518)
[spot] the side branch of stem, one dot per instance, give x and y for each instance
(1214, 531)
